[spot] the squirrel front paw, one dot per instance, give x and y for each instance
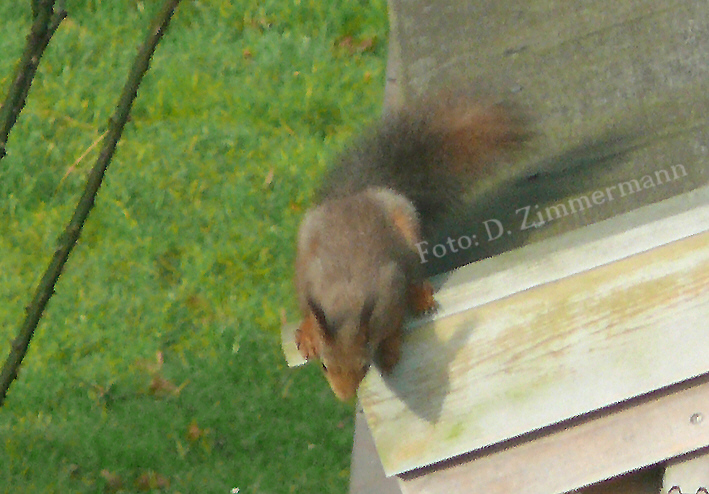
(306, 340)
(421, 299)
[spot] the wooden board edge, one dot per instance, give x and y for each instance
(573, 252)
(595, 447)
(290, 352)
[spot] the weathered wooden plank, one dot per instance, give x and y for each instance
(552, 352)
(570, 456)
(290, 352)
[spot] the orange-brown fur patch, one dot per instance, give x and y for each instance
(407, 225)
(421, 297)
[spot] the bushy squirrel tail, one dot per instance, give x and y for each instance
(430, 152)
(473, 136)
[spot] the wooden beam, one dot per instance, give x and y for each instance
(552, 352)
(572, 455)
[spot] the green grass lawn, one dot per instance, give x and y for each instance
(157, 365)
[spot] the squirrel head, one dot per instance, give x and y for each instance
(346, 353)
(354, 258)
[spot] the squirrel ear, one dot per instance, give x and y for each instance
(319, 314)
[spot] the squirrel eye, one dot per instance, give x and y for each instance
(324, 367)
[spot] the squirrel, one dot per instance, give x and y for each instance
(357, 270)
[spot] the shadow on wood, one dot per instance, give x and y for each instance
(422, 379)
(504, 217)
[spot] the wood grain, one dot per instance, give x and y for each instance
(552, 352)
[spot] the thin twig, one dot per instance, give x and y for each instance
(117, 122)
(81, 158)
(46, 22)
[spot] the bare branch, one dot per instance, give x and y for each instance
(46, 22)
(68, 240)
